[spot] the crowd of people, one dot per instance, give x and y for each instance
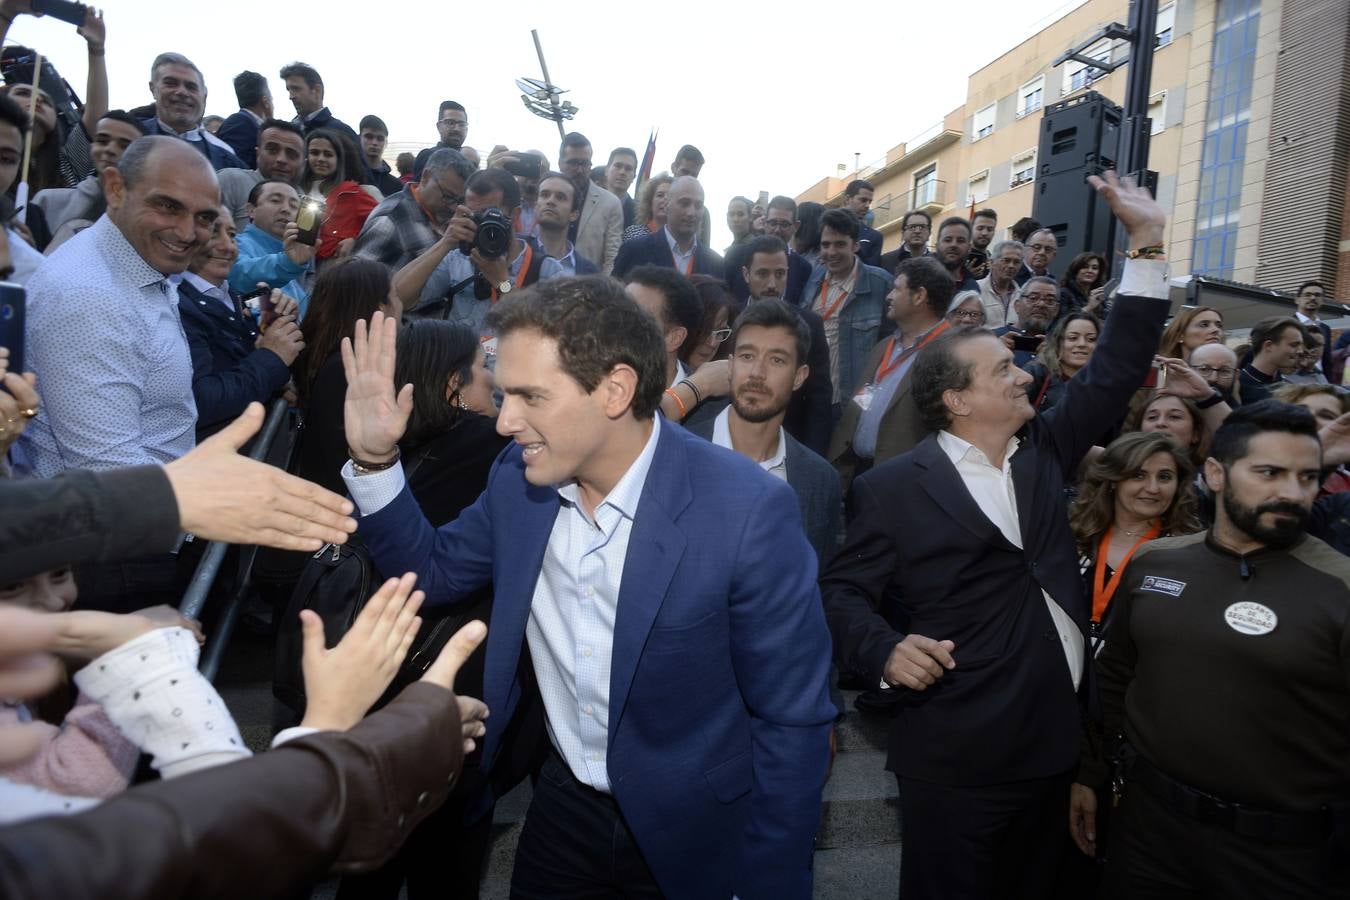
(660, 509)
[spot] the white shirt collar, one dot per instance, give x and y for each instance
(206, 287)
(722, 438)
(627, 492)
(674, 244)
(959, 449)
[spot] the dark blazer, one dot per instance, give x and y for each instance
(654, 250)
(719, 710)
(891, 261)
(900, 430)
(919, 545)
(869, 246)
(228, 373)
(241, 133)
(84, 517)
(339, 801)
(799, 271)
(1326, 344)
(219, 157)
(817, 488)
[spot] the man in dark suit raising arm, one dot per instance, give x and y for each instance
(967, 535)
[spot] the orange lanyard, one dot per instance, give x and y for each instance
(887, 368)
(824, 294)
(1103, 590)
(689, 269)
(412, 188)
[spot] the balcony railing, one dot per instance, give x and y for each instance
(925, 195)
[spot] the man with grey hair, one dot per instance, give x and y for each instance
(409, 223)
(1040, 253)
(998, 289)
(106, 341)
(180, 97)
(1037, 308)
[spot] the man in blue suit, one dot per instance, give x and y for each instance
(653, 590)
(675, 246)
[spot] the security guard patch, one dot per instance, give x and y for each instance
(1160, 585)
(1251, 618)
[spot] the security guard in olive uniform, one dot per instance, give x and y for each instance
(1227, 671)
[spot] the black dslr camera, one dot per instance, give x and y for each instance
(494, 234)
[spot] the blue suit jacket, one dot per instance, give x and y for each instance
(719, 713)
(654, 250)
(219, 157)
(241, 133)
(799, 271)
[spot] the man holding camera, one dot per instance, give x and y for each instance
(477, 260)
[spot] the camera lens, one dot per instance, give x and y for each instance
(494, 233)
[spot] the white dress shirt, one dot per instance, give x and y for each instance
(992, 490)
(576, 598)
(775, 465)
(684, 260)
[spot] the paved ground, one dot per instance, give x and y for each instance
(858, 853)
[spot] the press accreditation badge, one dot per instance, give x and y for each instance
(864, 396)
(1251, 618)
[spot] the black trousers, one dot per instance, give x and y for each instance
(1156, 852)
(981, 843)
(575, 844)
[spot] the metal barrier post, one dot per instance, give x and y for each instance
(194, 600)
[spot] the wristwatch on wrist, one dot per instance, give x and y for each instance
(504, 287)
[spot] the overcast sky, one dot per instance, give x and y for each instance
(774, 95)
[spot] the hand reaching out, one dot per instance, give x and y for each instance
(341, 684)
(472, 713)
(373, 415)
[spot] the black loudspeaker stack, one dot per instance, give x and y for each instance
(1079, 137)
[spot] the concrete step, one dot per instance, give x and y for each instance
(857, 873)
(861, 803)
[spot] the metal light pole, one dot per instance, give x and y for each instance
(541, 97)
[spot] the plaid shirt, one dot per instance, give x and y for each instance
(396, 232)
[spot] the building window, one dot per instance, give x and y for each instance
(978, 192)
(1157, 111)
(1225, 146)
(1167, 17)
(983, 126)
(1023, 169)
(925, 186)
(1032, 96)
(1079, 75)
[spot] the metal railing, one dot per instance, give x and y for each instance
(199, 589)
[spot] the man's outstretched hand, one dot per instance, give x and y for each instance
(1134, 206)
(223, 496)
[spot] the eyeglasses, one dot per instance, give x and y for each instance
(1040, 300)
(778, 224)
(1221, 371)
(1043, 248)
(720, 334)
(456, 124)
(446, 198)
(969, 315)
(919, 227)
(576, 163)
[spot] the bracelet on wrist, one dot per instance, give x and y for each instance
(1153, 251)
(693, 389)
(678, 402)
(364, 467)
(96, 51)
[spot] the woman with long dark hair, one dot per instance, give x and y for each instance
(807, 239)
(334, 174)
(714, 328)
(345, 292)
(1062, 356)
(1081, 286)
(447, 450)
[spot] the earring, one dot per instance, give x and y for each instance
(459, 401)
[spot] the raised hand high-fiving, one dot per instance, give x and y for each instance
(375, 416)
